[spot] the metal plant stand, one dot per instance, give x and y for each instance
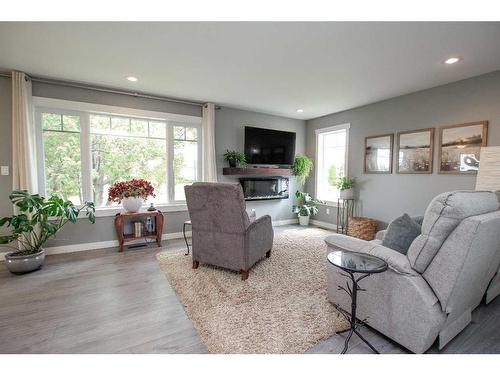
(352, 263)
(187, 222)
(345, 210)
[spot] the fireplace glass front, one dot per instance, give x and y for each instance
(264, 188)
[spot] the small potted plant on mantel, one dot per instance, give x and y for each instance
(346, 187)
(38, 219)
(306, 207)
(235, 158)
(131, 194)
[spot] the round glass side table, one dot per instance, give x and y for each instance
(355, 263)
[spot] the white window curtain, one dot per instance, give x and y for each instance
(209, 170)
(24, 172)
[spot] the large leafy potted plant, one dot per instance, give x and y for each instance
(131, 194)
(302, 167)
(306, 207)
(235, 158)
(38, 219)
(346, 185)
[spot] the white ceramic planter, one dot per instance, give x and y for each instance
(347, 194)
(132, 204)
(304, 220)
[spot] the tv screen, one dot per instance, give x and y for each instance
(265, 146)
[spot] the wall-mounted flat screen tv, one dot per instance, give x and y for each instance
(266, 146)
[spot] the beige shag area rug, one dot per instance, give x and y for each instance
(281, 308)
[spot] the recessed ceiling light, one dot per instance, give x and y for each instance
(300, 110)
(452, 60)
(132, 79)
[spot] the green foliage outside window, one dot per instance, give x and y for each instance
(113, 158)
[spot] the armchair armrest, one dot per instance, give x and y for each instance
(259, 238)
(261, 222)
(396, 261)
(380, 234)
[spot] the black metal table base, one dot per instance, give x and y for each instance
(185, 237)
(354, 322)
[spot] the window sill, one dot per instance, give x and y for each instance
(112, 211)
(328, 204)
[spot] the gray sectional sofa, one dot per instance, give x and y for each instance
(430, 292)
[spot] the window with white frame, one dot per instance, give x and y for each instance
(331, 160)
(83, 152)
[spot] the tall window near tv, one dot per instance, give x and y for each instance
(331, 160)
(82, 153)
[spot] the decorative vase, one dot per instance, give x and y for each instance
(132, 204)
(304, 220)
(347, 194)
(232, 163)
(20, 264)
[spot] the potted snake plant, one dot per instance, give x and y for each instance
(36, 221)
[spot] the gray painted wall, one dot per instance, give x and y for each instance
(384, 197)
(229, 134)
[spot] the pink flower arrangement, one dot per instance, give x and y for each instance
(132, 188)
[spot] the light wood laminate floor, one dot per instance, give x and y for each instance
(102, 301)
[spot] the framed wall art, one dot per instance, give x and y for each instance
(378, 153)
(415, 151)
(459, 147)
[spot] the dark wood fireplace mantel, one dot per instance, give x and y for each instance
(257, 171)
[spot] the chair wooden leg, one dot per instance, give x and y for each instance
(244, 274)
(195, 264)
(268, 254)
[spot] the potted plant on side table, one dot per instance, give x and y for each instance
(346, 187)
(235, 158)
(38, 220)
(306, 207)
(131, 194)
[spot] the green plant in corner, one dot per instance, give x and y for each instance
(306, 204)
(302, 167)
(235, 158)
(38, 220)
(345, 183)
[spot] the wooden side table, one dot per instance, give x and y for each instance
(119, 226)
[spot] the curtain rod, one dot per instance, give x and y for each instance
(105, 89)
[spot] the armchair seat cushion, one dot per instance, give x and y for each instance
(396, 261)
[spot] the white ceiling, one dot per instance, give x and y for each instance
(269, 67)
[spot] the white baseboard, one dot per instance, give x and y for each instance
(324, 224)
(279, 223)
(114, 243)
(97, 245)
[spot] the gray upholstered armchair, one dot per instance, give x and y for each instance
(223, 235)
(431, 291)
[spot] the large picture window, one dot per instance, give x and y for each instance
(83, 153)
(331, 160)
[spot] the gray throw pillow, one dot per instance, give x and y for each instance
(400, 233)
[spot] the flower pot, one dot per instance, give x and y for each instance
(132, 204)
(232, 163)
(347, 194)
(304, 220)
(24, 263)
